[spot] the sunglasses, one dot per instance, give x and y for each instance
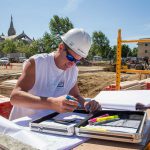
(70, 57)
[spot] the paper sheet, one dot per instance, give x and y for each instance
(125, 100)
(71, 116)
(19, 129)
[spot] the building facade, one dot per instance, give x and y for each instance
(144, 48)
(12, 35)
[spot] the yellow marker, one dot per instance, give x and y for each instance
(107, 118)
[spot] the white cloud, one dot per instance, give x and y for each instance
(72, 5)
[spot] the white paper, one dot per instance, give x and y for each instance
(125, 100)
(19, 129)
(71, 116)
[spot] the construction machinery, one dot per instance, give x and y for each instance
(119, 68)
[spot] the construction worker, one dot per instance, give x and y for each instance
(146, 60)
(47, 79)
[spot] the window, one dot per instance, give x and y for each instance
(146, 44)
(146, 51)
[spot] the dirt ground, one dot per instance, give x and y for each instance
(90, 84)
(91, 80)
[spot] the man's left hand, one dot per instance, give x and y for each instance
(92, 106)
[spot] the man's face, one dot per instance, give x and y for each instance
(71, 58)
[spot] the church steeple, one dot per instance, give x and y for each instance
(11, 30)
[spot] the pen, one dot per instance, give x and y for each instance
(68, 97)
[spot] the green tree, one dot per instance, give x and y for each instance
(100, 45)
(114, 51)
(1, 46)
(33, 48)
(21, 46)
(9, 47)
(49, 43)
(126, 51)
(58, 26)
(134, 52)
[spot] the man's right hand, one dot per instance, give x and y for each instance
(62, 105)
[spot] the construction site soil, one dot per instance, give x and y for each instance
(91, 79)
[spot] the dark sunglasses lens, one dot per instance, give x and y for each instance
(70, 58)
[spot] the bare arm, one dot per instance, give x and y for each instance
(76, 93)
(22, 98)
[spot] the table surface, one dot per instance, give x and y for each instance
(109, 145)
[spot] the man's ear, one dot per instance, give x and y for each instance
(61, 46)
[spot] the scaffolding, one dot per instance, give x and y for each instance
(118, 61)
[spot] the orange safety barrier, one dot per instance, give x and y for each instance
(5, 109)
(148, 85)
(110, 88)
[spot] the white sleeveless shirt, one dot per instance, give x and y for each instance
(50, 81)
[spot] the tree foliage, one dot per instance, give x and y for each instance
(50, 42)
(100, 45)
(58, 26)
(33, 48)
(134, 52)
(126, 51)
(8, 47)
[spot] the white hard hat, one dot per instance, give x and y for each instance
(77, 40)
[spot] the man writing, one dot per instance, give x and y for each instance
(47, 79)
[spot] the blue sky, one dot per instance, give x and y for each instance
(33, 16)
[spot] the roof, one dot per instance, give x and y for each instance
(22, 36)
(9, 37)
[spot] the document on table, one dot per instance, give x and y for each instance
(122, 100)
(71, 116)
(20, 131)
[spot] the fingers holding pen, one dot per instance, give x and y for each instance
(62, 105)
(70, 105)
